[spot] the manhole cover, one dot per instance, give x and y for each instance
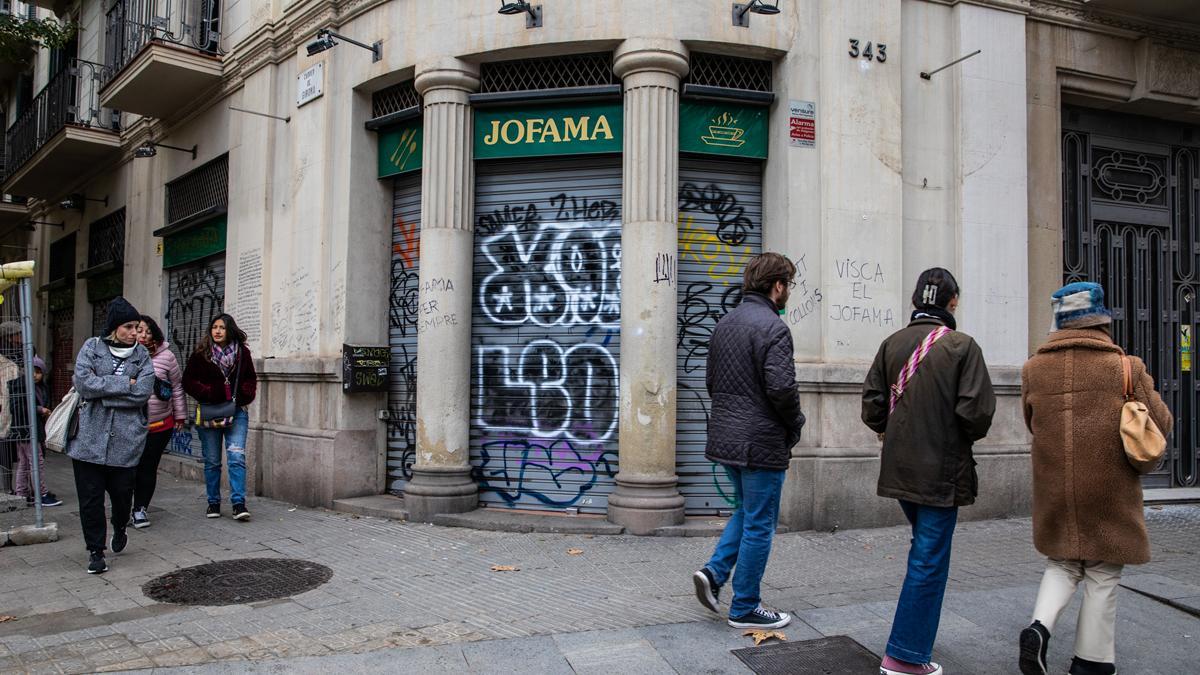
(837, 655)
(233, 582)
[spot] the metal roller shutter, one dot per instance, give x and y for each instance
(402, 331)
(62, 352)
(720, 229)
(546, 331)
(195, 294)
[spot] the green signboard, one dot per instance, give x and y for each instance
(194, 243)
(400, 149)
(723, 129)
(105, 286)
(548, 130)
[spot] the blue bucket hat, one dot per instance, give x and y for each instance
(1079, 305)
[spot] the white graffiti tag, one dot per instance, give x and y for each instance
(559, 274)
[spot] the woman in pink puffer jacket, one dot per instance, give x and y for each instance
(166, 415)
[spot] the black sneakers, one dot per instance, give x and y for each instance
(707, 590)
(214, 511)
(96, 564)
(240, 512)
(1084, 667)
(1035, 640)
(120, 539)
(50, 499)
(140, 519)
(761, 617)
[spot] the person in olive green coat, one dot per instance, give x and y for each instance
(928, 394)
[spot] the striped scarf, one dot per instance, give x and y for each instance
(910, 368)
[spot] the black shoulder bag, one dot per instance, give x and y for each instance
(221, 414)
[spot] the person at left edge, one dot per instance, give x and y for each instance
(114, 377)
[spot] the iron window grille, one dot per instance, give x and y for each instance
(394, 99)
(729, 72)
(62, 259)
(557, 72)
(106, 239)
(70, 98)
(199, 194)
(131, 25)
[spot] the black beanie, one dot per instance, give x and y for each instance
(120, 312)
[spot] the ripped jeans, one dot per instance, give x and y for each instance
(233, 439)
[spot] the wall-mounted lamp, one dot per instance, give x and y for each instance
(325, 40)
(77, 201)
(741, 11)
(28, 226)
(150, 149)
(929, 75)
(533, 13)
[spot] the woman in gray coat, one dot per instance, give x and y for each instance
(114, 377)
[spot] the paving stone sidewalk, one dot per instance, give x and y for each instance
(404, 594)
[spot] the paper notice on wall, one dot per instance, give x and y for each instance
(249, 294)
(802, 124)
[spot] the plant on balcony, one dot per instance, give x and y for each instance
(19, 37)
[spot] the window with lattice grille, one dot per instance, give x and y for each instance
(106, 239)
(729, 72)
(394, 99)
(556, 72)
(202, 192)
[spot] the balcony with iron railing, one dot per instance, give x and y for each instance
(160, 55)
(63, 130)
(12, 209)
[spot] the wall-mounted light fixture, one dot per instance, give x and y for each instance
(28, 226)
(741, 11)
(325, 40)
(78, 201)
(150, 149)
(533, 13)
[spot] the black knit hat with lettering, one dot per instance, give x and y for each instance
(120, 312)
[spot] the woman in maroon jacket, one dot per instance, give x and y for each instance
(219, 371)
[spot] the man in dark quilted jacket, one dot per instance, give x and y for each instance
(754, 423)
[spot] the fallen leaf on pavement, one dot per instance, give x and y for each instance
(574, 551)
(5, 617)
(761, 636)
(505, 568)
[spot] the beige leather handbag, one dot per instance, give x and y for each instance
(1144, 442)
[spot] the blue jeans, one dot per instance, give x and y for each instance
(233, 438)
(920, 608)
(746, 541)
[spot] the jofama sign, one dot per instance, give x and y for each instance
(548, 130)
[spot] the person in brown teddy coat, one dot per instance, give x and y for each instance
(1087, 497)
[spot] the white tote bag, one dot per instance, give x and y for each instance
(63, 422)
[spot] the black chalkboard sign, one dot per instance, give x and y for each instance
(364, 369)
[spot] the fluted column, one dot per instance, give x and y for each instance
(441, 480)
(647, 494)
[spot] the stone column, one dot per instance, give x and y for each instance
(441, 481)
(647, 494)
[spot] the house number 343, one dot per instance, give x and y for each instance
(877, 52)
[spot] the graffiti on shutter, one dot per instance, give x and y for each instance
(195, 294)
(720, 230)
(545, 333)
(402, 331)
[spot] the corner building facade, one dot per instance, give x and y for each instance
(481, 271)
